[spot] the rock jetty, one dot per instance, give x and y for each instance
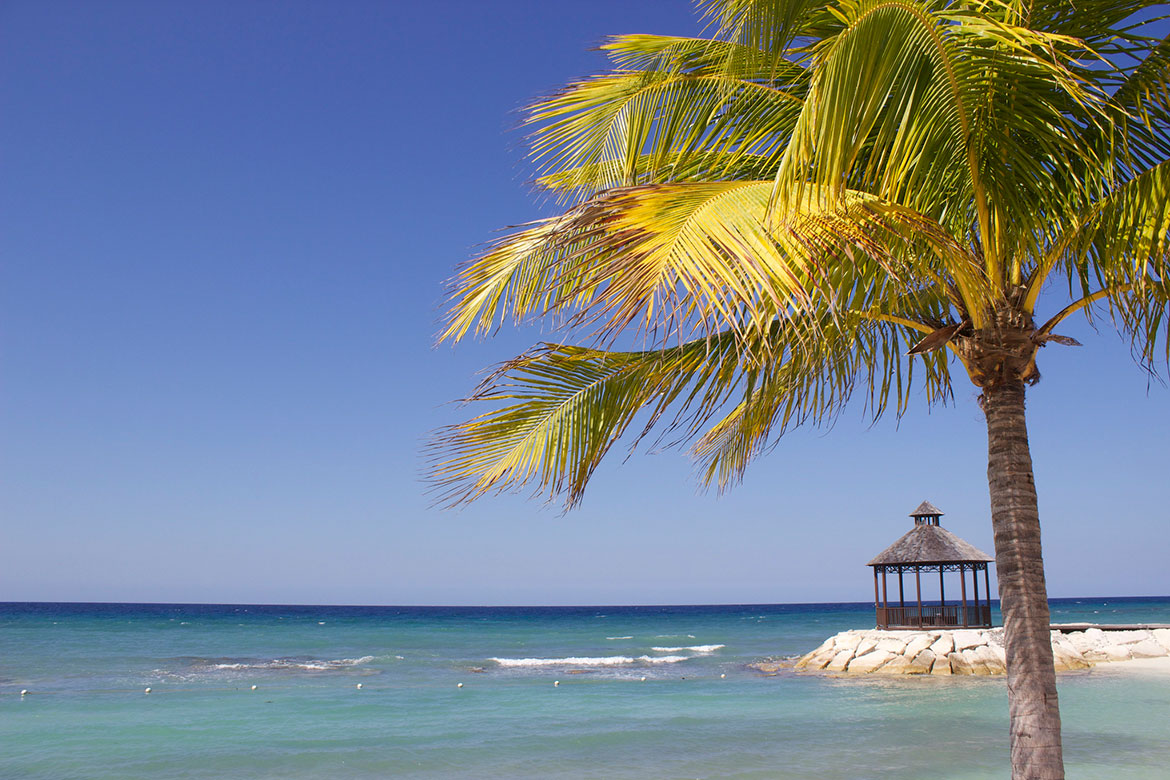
(973, 651)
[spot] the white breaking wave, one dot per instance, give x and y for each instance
(692, 648)
(666, 659)
(611, 638)
(609, 660)
(310, 664)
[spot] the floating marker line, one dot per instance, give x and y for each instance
(255, 687)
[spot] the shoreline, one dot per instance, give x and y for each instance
(1159, 667)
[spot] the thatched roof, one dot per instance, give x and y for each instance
(930, 544)
(926, 509)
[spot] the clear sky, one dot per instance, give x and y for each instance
(224, 228)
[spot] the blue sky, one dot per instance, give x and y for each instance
(224, 229)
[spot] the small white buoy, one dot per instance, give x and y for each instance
(643, 679)
(253, 687)
(147, 690)
(556, 683)
(460, 685)
(723, 677)
(359, 686)
(23, 692)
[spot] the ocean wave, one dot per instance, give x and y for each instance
(611, 638)
(282, 664)
(692, 648)
(609, 660)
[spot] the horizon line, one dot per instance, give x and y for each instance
(517, 606)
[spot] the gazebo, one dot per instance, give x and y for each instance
(929, 548)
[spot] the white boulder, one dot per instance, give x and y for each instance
(1146, 648)
(986, 661)
(899, 664)
(966, 639)
(917, 644)
(847, 641)
(864, 664)
(840, 661)
(1084, 641)
(959, 664)
(921, 663)
(868, 643)
(1162, 637)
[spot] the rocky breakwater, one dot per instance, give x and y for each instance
(973, 651)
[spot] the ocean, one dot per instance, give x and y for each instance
(427, 692)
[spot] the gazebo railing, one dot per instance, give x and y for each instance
(934, 615)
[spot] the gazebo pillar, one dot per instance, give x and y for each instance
(918, 588)
(963, 588)
(987, 583)
(975, 582)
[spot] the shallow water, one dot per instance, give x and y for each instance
(86, 715)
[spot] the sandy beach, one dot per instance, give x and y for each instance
(1145, 666)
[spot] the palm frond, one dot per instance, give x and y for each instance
(961, 100)
(1144, 96)
(812, 385)
(672, 255)
(1122, 248)
(636, 127)
(683, 167)
(700, 257)
(763, 24)
(561, 408)
(705, 57)
(1095, 22)
(565, 407)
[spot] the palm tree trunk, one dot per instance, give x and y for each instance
(1015, 519)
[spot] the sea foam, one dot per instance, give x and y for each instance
(692, 648)
(293, 664)
(609, 660)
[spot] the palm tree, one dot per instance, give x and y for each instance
(826, 197)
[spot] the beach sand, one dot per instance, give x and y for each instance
(1145, 666)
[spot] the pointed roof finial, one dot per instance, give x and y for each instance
(927, 509)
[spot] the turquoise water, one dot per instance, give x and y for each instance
(699, 712)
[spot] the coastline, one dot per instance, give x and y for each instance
(1159, 667)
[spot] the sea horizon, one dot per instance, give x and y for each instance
(648, 605)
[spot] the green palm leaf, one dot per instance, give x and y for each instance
(701, 257)
(636, 126)
(564, 408)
